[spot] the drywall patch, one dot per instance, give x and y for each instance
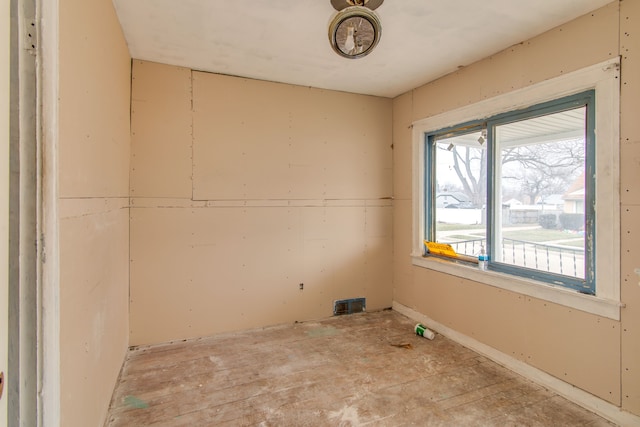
(637, 271)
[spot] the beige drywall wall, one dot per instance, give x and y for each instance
(285, 142)
(629, 34)
(94, 305)
(161, 134)
(94, 73)
(243, 189)
(596, 354)
(93, 213)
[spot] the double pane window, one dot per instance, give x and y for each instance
(520, 187)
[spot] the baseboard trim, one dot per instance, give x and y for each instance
(580, 397)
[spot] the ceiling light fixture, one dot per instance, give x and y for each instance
(355, 30)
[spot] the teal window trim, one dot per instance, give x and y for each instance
(430, 177)
(583, 99)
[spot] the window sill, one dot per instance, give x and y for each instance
(540, 290)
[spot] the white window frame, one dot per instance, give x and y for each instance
(604, 78)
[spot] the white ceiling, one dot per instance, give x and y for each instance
(286, 40)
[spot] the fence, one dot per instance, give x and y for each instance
(539, 256)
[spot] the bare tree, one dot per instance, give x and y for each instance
(538, 169)
(545, 169)
(474, 179)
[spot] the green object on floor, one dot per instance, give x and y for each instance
(134, 402)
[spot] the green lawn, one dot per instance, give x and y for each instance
(450, 227)
(577, 243)
(540, 235)
(534, 235)
(465, 236)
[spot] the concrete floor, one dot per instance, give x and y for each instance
(364, 369)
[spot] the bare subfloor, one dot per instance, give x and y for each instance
(363, 369)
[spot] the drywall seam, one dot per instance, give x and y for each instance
(192, 137)
(587, 400)
(151, 202)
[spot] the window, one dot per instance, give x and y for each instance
(513, 186)
(530, 177)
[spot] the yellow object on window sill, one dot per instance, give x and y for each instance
(443, 249)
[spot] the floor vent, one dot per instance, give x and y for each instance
(349, 306)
